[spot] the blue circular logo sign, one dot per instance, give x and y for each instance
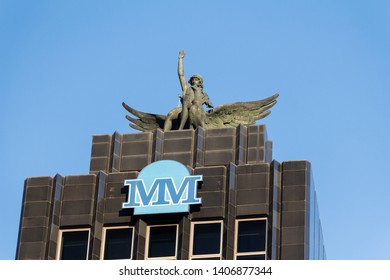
(164, 186)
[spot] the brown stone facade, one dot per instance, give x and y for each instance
(240, 180)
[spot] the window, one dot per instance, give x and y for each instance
(117, 244)
(250, 240)
(206, 241)
(161, 242)
(73, 244)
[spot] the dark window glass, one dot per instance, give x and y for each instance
(251, 257)
(214, 258)
(118, 243)
(251, 236)
(74, 245)
(207, 239)
(162, 241)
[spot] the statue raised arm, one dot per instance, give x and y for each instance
(180, 71)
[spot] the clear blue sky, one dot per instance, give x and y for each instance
(66, 66)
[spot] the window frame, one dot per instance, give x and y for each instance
(103, 245)
(60, 237)
(252, 253)
(147, 241)
(192, 233)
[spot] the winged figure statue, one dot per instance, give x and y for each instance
(191, 114)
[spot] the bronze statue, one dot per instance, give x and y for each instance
(192, 115)
(192, 99)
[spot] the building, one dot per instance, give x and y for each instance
(233, 201)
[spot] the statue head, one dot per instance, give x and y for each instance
(196, 80)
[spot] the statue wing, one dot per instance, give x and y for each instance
(234, 114)
(144, 121)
